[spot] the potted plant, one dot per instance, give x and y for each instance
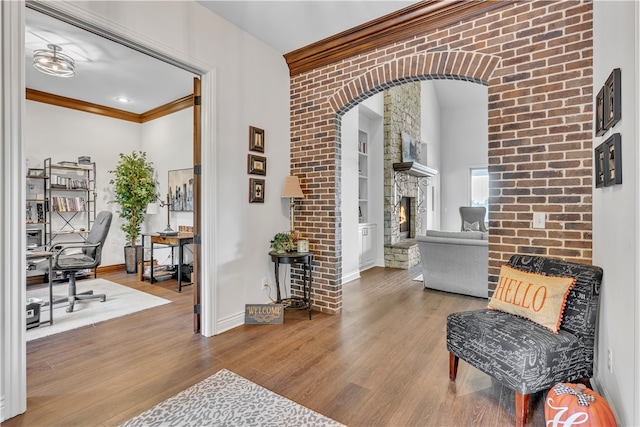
(134, 188)
(282, 242)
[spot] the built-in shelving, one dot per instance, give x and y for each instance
(363, 177)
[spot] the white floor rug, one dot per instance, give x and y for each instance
(418, 278)
(121, 300)
(227, 399)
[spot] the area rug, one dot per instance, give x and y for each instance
(121, 300)
(227, 399)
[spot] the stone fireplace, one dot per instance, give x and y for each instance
(401, 189)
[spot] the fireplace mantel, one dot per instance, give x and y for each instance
(415, 169)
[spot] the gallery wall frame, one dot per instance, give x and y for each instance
(256, 165)
(599, 165)
(599, 123)
(256, 139)
(613, 160)
(256, 190)
(612, 99)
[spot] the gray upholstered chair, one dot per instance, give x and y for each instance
(70, 258)
(523, 355)
(472, 218)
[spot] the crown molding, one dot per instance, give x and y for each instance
(417, 19)
(88, 107)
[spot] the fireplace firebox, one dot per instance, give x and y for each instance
(404, 217)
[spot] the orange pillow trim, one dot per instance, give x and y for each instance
(536, 297)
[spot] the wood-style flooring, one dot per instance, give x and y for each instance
(382, 362)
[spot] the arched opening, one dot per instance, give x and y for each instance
(316, 212)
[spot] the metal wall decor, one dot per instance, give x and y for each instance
(608, 162)
(612, 101)
(608, 103)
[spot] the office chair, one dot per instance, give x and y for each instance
(472, 218)
(70, 258)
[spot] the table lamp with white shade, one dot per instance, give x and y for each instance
(293, 191)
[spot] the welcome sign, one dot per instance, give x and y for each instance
(263, 314)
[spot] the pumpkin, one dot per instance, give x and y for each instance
(574, 404)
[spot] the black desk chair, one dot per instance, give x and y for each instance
(70, 258)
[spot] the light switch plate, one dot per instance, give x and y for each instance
(539, 219)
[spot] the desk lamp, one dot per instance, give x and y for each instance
(293, 191)
(168, 231)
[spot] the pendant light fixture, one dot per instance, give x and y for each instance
(53, 62)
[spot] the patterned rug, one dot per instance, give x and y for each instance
(227, 399)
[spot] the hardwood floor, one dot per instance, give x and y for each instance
(382, 362)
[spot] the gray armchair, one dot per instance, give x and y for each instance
(523, 355)
(70, 258)
(472, 218)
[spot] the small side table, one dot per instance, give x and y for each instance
(304, 258)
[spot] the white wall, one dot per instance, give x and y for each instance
(430, 134)
(616, 222)
(463, 132)
(66, 134)
(168, 142)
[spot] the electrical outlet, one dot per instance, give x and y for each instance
(610, 360)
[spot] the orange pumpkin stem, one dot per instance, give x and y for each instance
(580, 388)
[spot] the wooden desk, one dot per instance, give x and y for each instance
(177, 241)
(49, 256)
(304, 258)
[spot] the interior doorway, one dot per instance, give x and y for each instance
(44, 24)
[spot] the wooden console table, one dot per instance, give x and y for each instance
(304, 258)
(177, 241)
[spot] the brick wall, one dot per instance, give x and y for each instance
(536, 59)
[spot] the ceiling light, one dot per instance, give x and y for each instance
(123, 99)
(53, 62)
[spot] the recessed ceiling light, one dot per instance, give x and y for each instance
(123, 99)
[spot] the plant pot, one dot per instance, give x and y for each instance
(132, 255)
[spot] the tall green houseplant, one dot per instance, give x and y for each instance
(134, 188)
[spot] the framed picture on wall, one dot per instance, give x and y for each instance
(256, 139)
(256, 190)
(612, 99)
(599, 164)
(613, 160)
(599, 124)
(256, 165)
(181, 189)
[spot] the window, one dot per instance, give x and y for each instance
(480, 189)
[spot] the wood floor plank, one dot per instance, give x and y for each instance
(382, 362)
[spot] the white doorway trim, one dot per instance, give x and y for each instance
(13, 376)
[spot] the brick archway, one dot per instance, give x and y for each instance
(456, 65)
(453, 65)
(536, 59)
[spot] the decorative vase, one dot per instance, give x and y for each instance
(132, 255)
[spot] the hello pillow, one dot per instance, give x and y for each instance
(536, 297)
